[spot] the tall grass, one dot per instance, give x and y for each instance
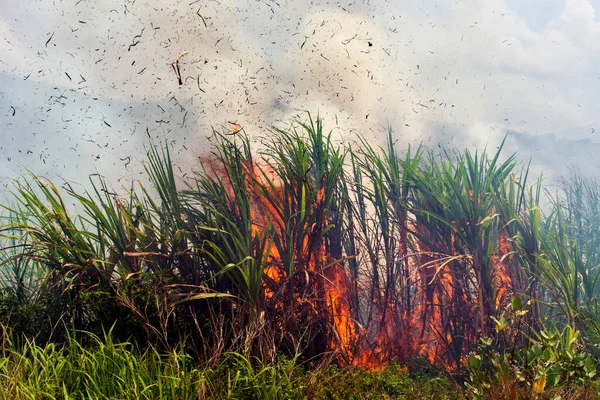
(356, 254)
(104, 369)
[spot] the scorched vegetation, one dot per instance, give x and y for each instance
(303, 269)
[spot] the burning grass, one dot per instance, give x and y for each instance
(358, 256)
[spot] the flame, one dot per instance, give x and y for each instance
(321, 288)
(502, 277)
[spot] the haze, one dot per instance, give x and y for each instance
(86, 84)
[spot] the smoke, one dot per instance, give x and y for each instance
(87, 84)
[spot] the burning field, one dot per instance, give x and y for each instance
(347, 243)
(350, 255)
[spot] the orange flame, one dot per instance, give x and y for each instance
(426, 330)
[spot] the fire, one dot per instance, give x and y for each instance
(338, 304)
(502, 278)
(319, 288)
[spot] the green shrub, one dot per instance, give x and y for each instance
(391, 383)
(552, 362)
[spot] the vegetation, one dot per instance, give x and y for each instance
(267, 274)
(107, 370)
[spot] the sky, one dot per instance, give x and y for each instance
(87, 85)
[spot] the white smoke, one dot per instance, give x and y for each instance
(86, 84)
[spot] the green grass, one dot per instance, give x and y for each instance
(108, 370)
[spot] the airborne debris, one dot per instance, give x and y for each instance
(184, 117)
(345, 42)
(175, 65)
(134, 42)
(203, 20)
(49, 39)
(127, 159)
(236, 128)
